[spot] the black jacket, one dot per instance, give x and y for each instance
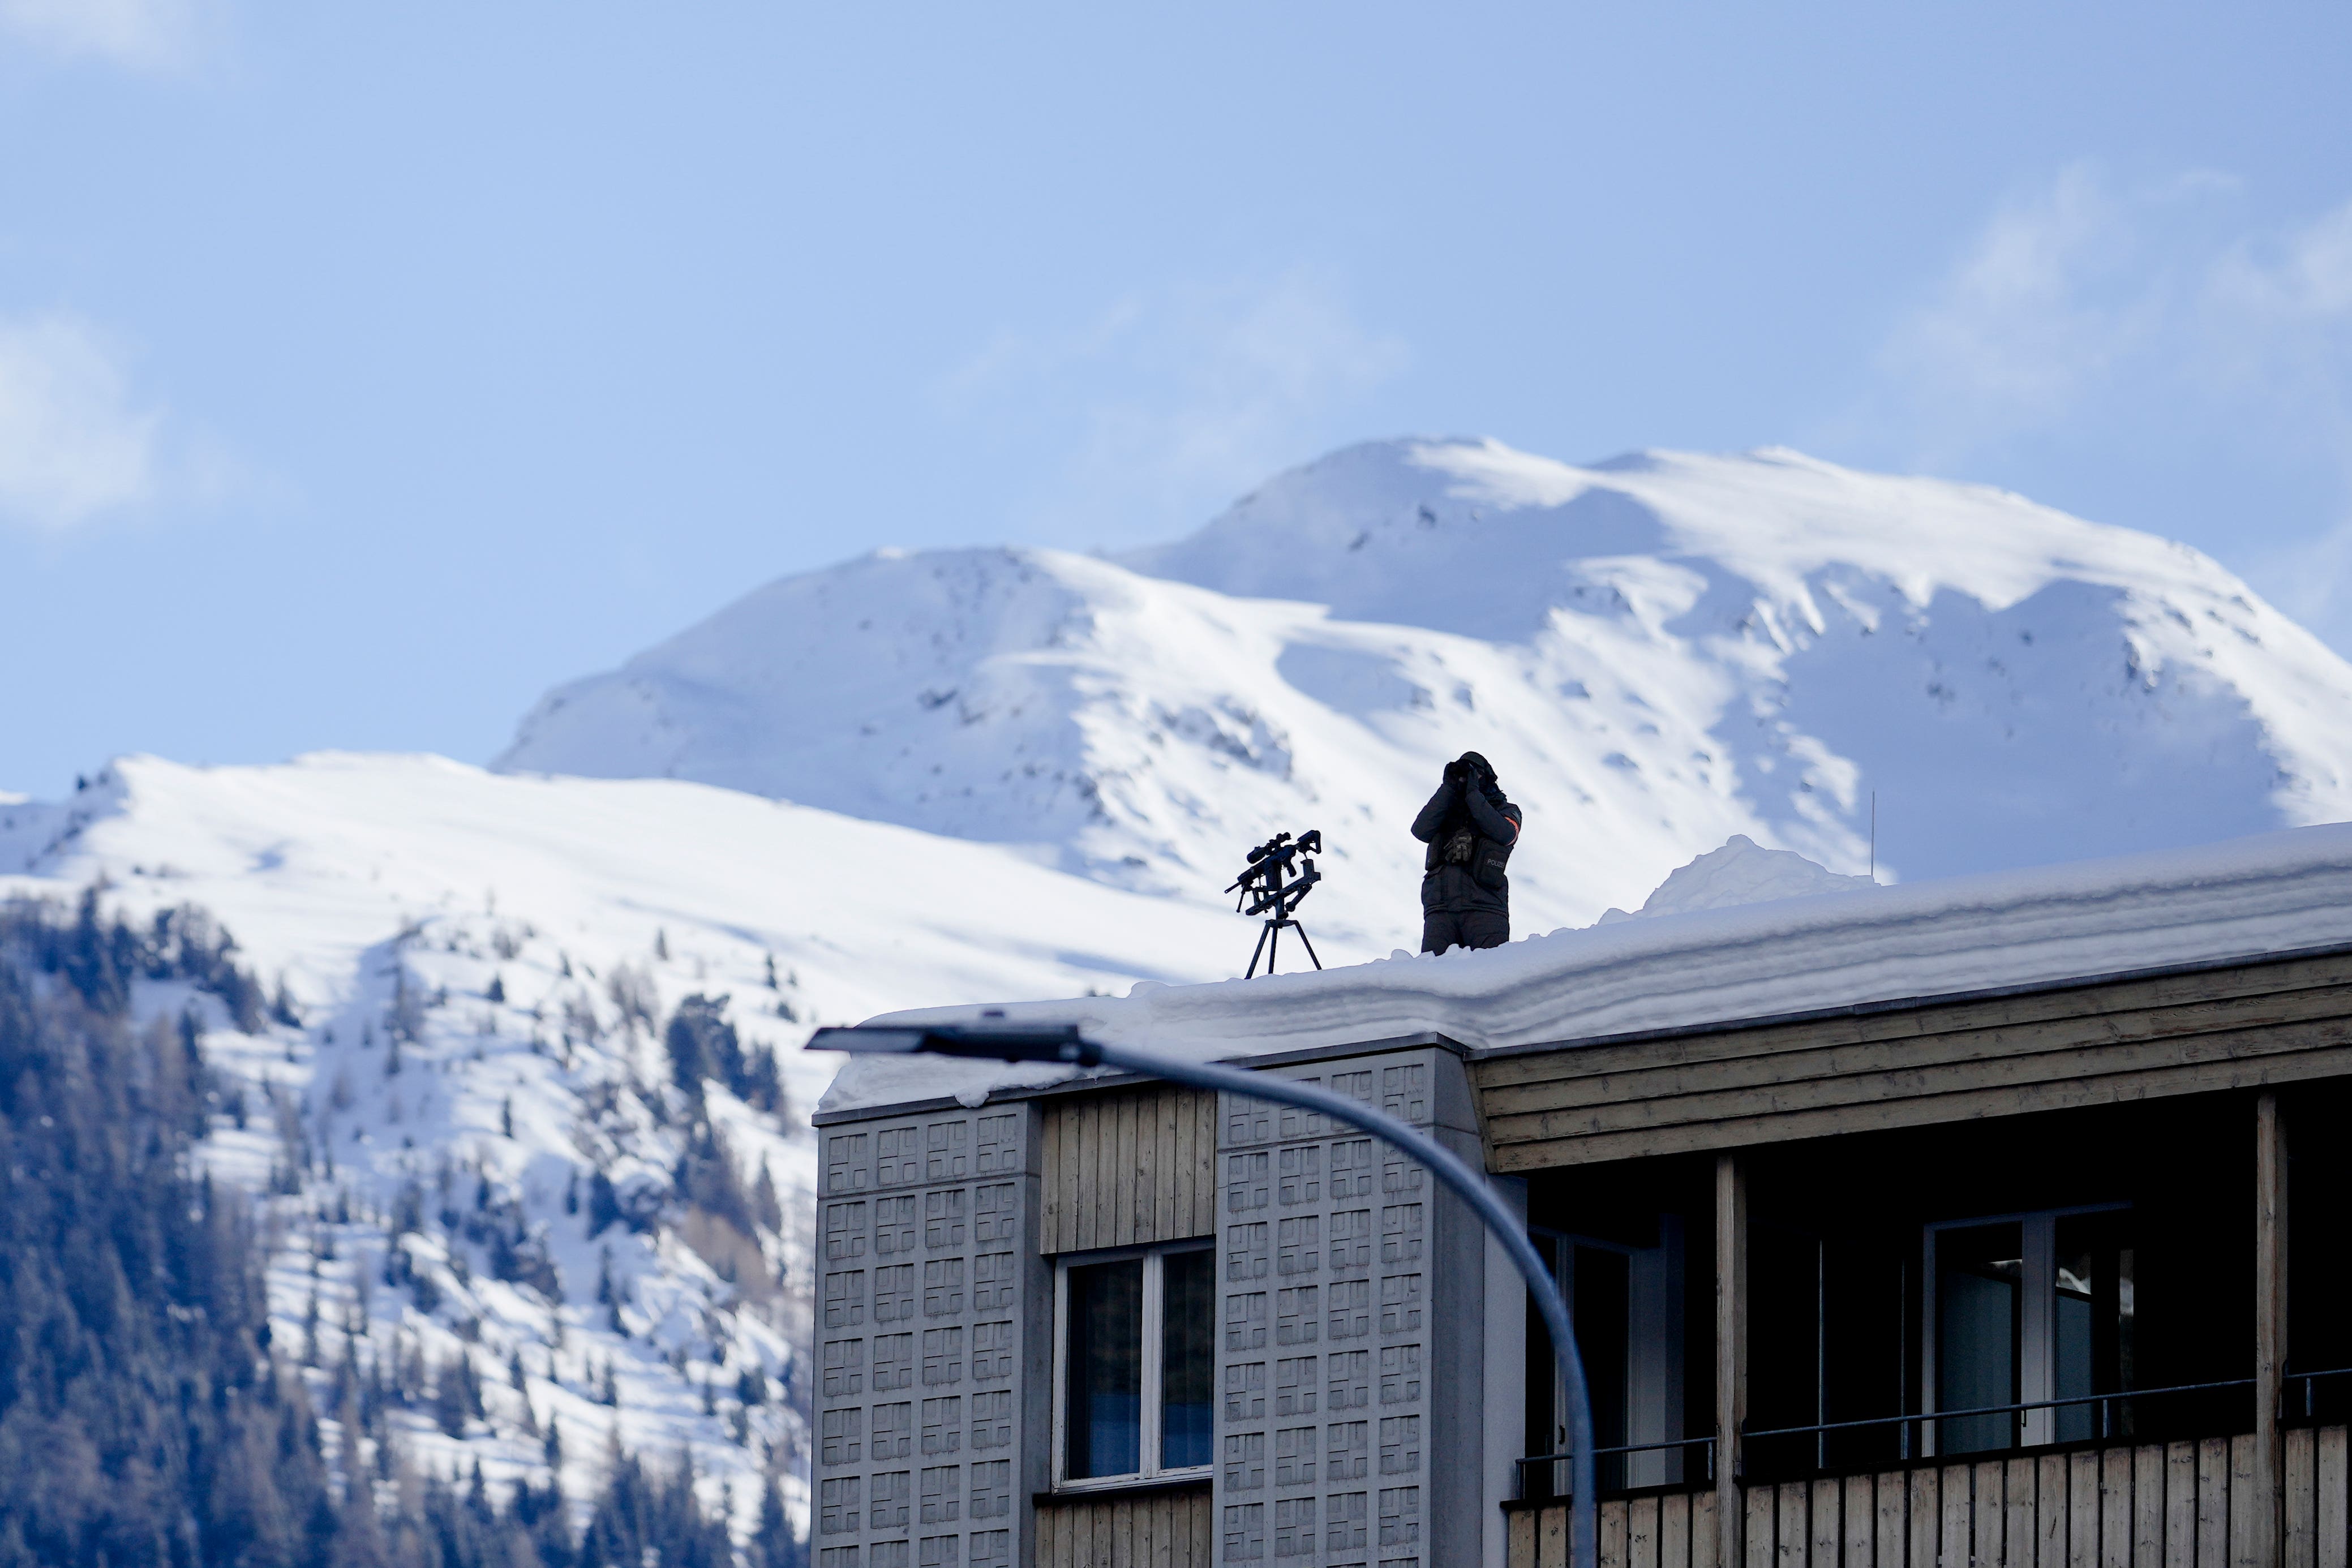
(1453, 881)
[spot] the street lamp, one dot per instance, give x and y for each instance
(1063, 1044)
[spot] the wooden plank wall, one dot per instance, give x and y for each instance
(2088, 1045)
(1169, 1529)
(1675, 1531)
(2319, 1523)
(1128, 1166)
(2174, 1505)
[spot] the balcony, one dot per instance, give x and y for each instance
(2058, 1340)
(2192, 1503)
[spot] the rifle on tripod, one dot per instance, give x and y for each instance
(1281, 871)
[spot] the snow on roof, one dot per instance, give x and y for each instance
(1741, 872)
(2239, 899)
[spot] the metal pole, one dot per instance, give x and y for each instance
(1470, 1186)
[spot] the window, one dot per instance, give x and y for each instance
(2025, 1311)
(1134, 1363)
(1626, 1302)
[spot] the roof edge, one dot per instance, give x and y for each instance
(1903, 1004)
(1424, 1040)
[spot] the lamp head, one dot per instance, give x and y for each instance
(982, 1042)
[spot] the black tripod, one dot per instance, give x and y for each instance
(1272, 887)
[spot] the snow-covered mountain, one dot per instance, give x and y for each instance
(1656, 652)
(478, 971)
(923, 779)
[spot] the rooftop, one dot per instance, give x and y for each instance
(1697, 968)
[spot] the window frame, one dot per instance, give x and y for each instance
(2035, 1351)
(1563, 1278)
(1150, 1470)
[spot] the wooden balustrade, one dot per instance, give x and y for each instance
(2168, 1505)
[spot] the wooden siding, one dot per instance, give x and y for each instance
(1676, 1531)
(2173, 1505)
(1128, 1166)
(2088, 1045)
(1163, 1530)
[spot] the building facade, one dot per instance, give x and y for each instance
(2034, 1272)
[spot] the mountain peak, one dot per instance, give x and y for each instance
(1659, 651)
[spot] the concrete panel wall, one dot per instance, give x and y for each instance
(1349, 1345)
(934, 1350)
(1351, 1351)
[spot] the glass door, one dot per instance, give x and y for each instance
(2030, 1310)
(2092, 1314)
(1979, 1290)
(1592, 1280)
(1627, 1305)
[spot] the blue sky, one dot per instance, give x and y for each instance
(365, 371)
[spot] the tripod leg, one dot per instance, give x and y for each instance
(1274, 930)
(1254, 954)
(1311, 947)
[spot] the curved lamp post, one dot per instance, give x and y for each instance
(1064, 1044)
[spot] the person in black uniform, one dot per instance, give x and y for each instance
(1471, 829)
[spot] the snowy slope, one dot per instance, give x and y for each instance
(1657, 653)
(391, 891)
(1129, 729)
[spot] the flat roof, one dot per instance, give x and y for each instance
(2234, 902)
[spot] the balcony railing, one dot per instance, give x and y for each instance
(2306, 1403)
(1544, 1476)
(2120, 1414)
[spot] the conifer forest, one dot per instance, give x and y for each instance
(147, 1419)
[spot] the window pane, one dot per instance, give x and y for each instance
(1598, 1300)
(2072, 1370)
(2091, 1353)
(1547, 1431)
(2072, 1321)
(1105, 1369)
(1187, 1316)
(2126, 1319)
(1979, 1272)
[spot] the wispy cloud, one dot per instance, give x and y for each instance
(2094, 314)
(2280, 326)
(73, 444)
(78, 444)
(2277, 319)
(2086, 289)
(2066, 291)
(138, 34)
(2018, 330)
(1165, 405)
(2312, 580)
